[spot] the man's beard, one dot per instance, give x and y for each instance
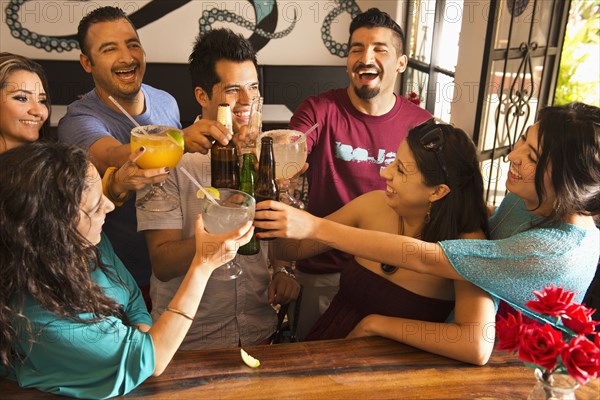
(366, 93)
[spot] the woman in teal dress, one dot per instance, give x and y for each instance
(72, 320)
(543, 232)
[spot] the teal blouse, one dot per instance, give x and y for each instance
(99, 360)
(521, 258)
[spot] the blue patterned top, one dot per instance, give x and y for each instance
(521, 258)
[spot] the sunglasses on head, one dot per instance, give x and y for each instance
(432, 139)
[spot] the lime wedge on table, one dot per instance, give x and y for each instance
(177, 137)
(214, 192)
(249, 360)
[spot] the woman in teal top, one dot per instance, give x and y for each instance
(543, 233)
(72, 320)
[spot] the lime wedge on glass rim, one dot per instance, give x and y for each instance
(176, 137)
(214, 192)
(249, 360)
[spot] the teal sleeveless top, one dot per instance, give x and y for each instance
(522, 257)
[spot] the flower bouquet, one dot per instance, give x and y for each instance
(565, 344)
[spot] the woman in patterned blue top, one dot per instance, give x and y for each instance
(543, 232)
(72, 320)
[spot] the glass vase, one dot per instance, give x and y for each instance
(556, 387)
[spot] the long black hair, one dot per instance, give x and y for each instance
(569, 141)
(463, 210)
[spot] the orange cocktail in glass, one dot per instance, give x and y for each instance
(164, 148)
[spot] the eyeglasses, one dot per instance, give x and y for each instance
(432, 139)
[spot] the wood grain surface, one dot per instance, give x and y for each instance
(367, 368)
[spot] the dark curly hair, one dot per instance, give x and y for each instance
(569, 140)
(215, 45)
(462, 210)
(42, 254)
(10, 63)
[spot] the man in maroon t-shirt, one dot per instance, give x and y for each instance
(360, 128)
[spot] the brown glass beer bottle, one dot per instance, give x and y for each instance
(266, 186)
(224, 161)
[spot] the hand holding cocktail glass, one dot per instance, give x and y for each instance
(131, 177)
(215, 250)
(163, 148)
(224, 210)
(234, 210)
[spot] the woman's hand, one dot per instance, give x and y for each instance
(283, 221)
(214, 250)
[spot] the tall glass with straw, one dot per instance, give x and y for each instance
(222, 212)
(164, 148)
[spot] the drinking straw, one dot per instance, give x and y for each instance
(135, 122)
(195, 182)
(312, 128)
(126, 113)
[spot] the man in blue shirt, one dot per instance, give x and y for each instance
(112, 53)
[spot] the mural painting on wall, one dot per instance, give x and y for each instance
(262, 22)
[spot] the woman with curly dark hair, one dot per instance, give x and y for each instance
(72, 320)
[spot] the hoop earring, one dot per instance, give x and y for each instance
(428, 216)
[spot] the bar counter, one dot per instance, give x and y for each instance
(366, 368)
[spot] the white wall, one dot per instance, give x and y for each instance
(469, 64)
(170, 38)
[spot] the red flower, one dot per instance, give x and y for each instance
(582, 359)
(578, 318)
(509, 331)
(552, 301)
(414, 98)
(540, 344)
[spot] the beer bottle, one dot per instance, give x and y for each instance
(266, 186)
(224, 161)
(247, 186)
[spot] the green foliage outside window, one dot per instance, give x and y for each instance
(579, 74)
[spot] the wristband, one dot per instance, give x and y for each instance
(107, 182)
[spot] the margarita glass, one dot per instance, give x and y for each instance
(233, 210)
(164, 148)
(289, 148)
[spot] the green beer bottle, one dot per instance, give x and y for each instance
(247, 186)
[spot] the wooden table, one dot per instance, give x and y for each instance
(368, 368)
